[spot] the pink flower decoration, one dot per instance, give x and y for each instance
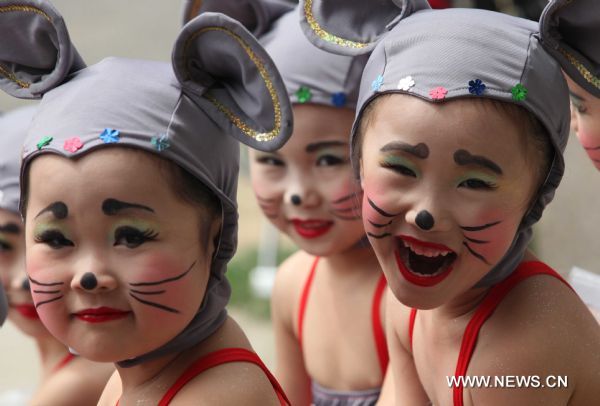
(73, 144)
(438, 93)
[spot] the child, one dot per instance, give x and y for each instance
(327, 310)
(570, 29)
(66, 379)
(462, 120)
(129, 180)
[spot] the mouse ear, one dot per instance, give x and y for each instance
(230, 76)
(569, 30)
(36, 54)
(353, 27)
(256, 15)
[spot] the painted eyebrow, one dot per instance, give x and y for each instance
(110, 207)
(324, 144)
(58, 209)
(10, 228)
(576, 96)
(464, 157)
(420, 150)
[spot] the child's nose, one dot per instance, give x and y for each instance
(93, 276)
(428, 219)
(302, 194)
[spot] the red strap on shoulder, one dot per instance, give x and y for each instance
(440, 3)
(304, 299)
(218, 358)
(486, 309)
(411, 325)
(66, 359)
(378, 333)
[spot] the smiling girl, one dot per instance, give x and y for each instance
(129, 181)
(66, 379)
(459, 139)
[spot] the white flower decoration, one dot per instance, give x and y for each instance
(406, 83)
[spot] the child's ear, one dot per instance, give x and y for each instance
(256, 15)
(36, 54)
(353, 27)
(229, 75)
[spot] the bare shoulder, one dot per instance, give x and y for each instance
(112, 391)
(81, 382)
(541, 330)
(236, 383)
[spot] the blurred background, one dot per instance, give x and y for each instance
(567, 236)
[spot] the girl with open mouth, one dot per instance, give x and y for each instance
(65, 378)
(462, 121)
(129, 177)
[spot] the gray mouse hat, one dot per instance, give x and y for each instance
(221, 87)
(13, 127)
(440, 55)
(570, 31)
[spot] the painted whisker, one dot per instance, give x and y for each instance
(483, 227)
(379, 210)
(474, 241)
(153, 304)
(346, 198)
(48, 301)
(592, 148)
(262, 199)
(357, 217)
(164, 280)
(377, 225)
(45, 284)
(152, 292)
(379, 236)
(346, 210)
(476, 254)
(47, 291)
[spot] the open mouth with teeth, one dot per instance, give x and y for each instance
(423, 263)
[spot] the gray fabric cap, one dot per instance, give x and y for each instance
(256, 15)
(312, 75)
(221, 85)
(570, 30)
(423, 49)
(3, 305)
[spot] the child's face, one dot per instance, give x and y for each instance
(21, 310)
(307, 188)
(585, 120)
(116, 264)
(445, 188)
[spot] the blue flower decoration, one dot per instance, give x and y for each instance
(377, 83)
(476, 87)
(339, 99)
(161, 142)
(110, 136)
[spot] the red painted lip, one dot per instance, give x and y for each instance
(425, 281)
(311, 228)
(424, 244)
(101, 314)
(27, 311)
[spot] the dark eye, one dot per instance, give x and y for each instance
(477, 184)
(54, 239)
(330, 160)
(269, 160)
(581, 109)
(132, 237)
(401, 169)
(5, 247)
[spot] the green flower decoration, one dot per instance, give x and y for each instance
(303, 94)
(519, 92)
(44, 142)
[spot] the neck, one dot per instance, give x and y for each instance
(461, 306)
(51, 351)
(144, 373)
(359, 258)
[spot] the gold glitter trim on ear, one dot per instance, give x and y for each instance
(237, 121)
(324, 35)
(9, 9)
(587, 75)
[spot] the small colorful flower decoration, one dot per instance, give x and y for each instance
(303, 94)
(161, 142)
(377, 83)
(519, 92)
(438, 93)
(109, 136)
(406, 83)
(44, 142)
(476, 87)
(73, 144)
(339, 99)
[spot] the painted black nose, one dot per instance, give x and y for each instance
(424, 220)
(296, 200)
(89, 281)
(25, 284)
